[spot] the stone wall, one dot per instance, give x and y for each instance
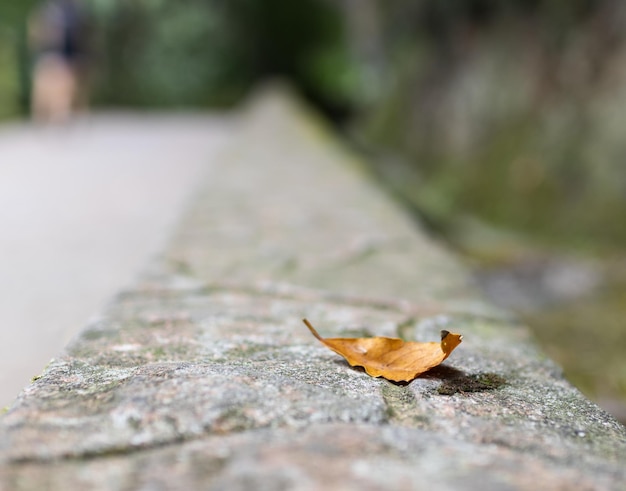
(203, 376)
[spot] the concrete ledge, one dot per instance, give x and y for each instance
(203, 376)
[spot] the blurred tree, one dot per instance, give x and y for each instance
(210, 52)
(506, 110)
(14, 59)
(172, 53)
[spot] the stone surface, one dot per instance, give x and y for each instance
(203, 376)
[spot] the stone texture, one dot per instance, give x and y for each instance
(203, 377)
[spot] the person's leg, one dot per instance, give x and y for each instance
(54, 89)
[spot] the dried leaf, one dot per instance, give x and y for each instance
(391, 358)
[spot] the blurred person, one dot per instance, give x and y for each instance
(58, 42)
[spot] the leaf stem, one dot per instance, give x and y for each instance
(312, 329)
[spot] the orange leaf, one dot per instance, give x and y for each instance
(391, 358)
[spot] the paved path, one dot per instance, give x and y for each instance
(82, 208)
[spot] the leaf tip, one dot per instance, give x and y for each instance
(449, 341)
(312, 329)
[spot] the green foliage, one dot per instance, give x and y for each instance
(199, 53)
(507, 111)
(13, 57)
(167, 54)
(8, 82)
(14, 12)
(210, 52)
